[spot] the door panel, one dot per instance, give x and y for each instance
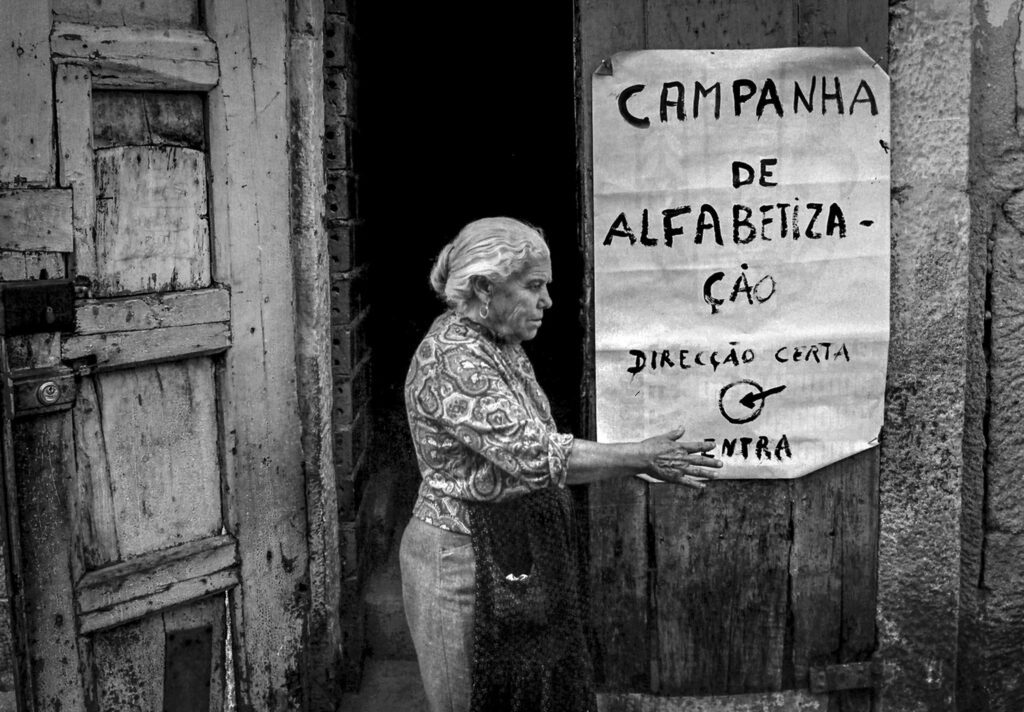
(732, 595)
(147, 438)
(142, 490)
(148, 118)
(139, 490)
(720, 578)
(151, 228)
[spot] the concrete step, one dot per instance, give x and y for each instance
(387, 633)
(388, 686)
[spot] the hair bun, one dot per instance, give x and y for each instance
(439, 273)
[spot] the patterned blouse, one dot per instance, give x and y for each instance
(480, 423)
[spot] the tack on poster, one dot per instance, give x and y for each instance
(741, 252)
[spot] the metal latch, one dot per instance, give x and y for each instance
(43, 390)
(37, 306)
(845, 676)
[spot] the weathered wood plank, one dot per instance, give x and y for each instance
(13, 667)
(45, 265)
(33, 351)
(816, 571)
(617, 510)
(8, 660)
(159, 427)
(788, 701)
(44, 461)
(722, 561)
(832, 570)
(95, 523)
(153, 311)
(867, 28)
(128, 665)
(823, 23)
(16, 266)
(148, 118)
(157, 581)
(249, 160)
(845, 23)
(26, 97)
(120, 349)
(38, 220)
(73, 90)
(137, 58)
(860, 517)
(12, 266)
(176, 14)
(152, 232)
(727, 24)
(619, 583)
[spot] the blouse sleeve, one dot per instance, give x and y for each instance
(467, 396)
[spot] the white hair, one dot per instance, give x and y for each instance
(492, 248)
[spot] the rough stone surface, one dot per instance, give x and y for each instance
(992, 620)
(922, 443)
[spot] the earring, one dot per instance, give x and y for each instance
(485, 310)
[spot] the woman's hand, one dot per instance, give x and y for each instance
(670, 459)
(664, 457)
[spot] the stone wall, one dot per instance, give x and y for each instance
(992, 654)
(951, 558)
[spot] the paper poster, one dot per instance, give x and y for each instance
(741, 252)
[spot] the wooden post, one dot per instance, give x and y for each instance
(313, 346)
(265, 491)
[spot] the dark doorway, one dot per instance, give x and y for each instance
(466, 110)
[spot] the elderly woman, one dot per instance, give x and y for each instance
(485, 439)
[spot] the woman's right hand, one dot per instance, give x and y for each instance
(669, 459)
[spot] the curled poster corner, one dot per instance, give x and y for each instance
(605, 68)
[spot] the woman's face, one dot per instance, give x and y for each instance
(517, 304)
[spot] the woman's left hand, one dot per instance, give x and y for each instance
(673, 460)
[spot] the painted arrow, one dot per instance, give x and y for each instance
(751, 399)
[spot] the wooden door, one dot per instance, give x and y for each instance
(155, 498)
(754, 592)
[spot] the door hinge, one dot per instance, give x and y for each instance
(845, 676)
